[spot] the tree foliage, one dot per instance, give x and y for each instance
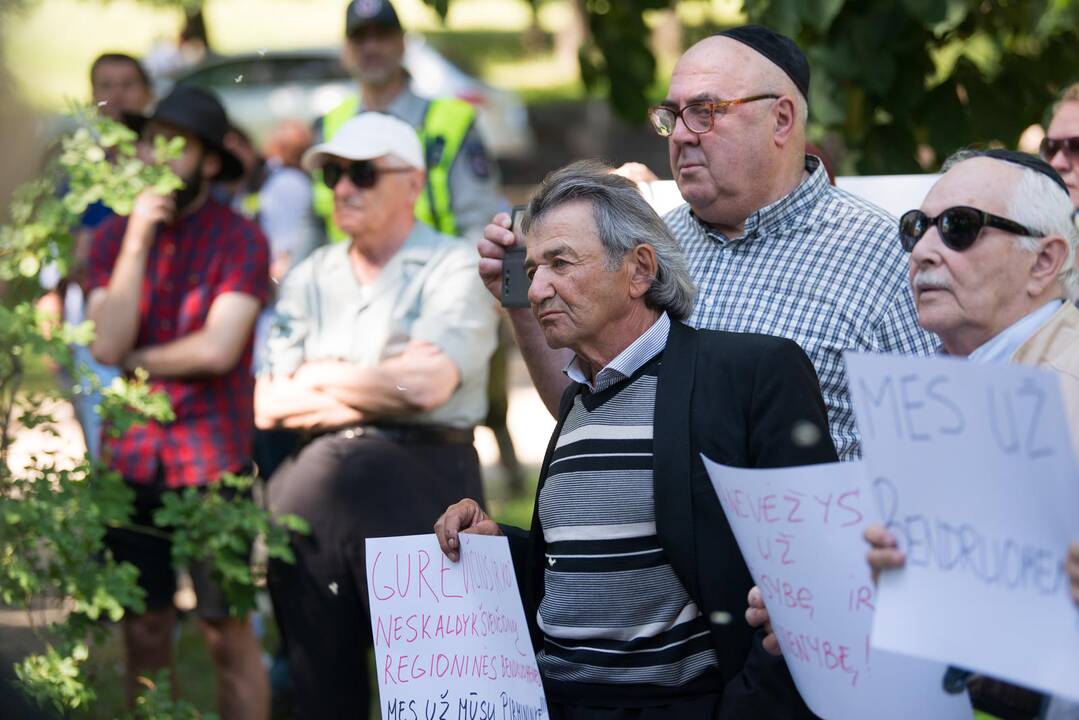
(890, 75)
(54, 511)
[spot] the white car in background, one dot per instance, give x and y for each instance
(260, 89)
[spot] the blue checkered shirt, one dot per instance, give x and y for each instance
(820, 267)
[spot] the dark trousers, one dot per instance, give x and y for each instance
(350, 489)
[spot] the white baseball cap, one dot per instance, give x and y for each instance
(368, 136)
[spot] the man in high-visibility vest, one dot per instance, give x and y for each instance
(462, 180)
(462, 191)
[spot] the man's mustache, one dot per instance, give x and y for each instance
(928, 280)
(350, 201)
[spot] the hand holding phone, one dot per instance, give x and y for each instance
(515, 281)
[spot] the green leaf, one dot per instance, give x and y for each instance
(29, 266)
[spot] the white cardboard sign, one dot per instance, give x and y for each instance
(800, 531)
(972, 468)
(450, 638)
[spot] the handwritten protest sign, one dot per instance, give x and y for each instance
(800, 531)
(451, 640)
(972, 469)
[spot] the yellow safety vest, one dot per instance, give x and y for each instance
(443, 132)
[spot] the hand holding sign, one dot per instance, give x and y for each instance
(757, 616)
(450, 638)
(884, 553)
(464, 516)
(800, 532)
(974, 476)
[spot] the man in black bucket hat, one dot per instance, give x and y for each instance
(175, 289)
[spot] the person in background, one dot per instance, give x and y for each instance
(169, 57)
(379, 353)
(772, 247)
(1060, 146)
(283, 211)
(175, 289)
(119, 86)
(462, 190)
(284, 200)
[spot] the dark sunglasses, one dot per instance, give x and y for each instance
(362, 173)
(1051, 146)
(958, 227)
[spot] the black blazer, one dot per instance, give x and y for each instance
(734, 397)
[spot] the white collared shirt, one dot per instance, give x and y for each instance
(1001, 347)
(627, 362)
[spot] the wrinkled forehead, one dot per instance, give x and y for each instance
(980, 182)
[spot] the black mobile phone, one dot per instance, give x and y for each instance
(515, 281)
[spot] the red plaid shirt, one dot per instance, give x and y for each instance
(193, 260)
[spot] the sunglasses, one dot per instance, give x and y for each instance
(1051, 146)
(362, 173)
(958, 227)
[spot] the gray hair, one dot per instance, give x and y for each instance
(624, 220)
(1038, 203)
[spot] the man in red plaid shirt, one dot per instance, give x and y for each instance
(175, 289)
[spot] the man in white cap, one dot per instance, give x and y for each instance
(379, 353)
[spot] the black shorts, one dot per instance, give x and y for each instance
(152, 556)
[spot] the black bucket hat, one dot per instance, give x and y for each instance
(199, 112)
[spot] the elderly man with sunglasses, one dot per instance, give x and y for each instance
(992, 266)
(379, 353)
(772, 247)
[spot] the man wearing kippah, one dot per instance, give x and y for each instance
(771, 246)
(999, 287)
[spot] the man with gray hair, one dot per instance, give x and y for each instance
(630, 571)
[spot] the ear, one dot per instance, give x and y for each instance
(416, 182)
(211, 165)
(785, 119)
(1048, 261)
(643, 267)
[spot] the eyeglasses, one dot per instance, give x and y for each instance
(362, 173)
(1051, 146)
(958, 227)
(699, 117)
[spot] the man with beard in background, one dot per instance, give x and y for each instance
(175, 290)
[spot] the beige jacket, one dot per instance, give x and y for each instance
(1056, 346)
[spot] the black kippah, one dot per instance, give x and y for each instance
(780, 49)
(1030, 162)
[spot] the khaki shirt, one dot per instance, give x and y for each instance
(430, 290)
